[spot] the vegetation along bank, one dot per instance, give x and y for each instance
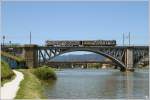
(6, 73)
(31, 87)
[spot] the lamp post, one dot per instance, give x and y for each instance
(3, 40)
(10, 43)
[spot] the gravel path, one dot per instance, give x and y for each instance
(9, 90)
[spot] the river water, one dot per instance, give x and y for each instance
(98, 84)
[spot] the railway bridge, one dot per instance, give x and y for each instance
(126, 57)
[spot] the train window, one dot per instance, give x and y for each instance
(100, 42)
(113, 42)
(106, 43)
(80, 43)
(103, 42)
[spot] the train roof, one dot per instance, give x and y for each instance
(80, 40)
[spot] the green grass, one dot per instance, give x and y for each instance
(30, 87)
(17, 58)
(6, 73)
(7, 80)
(45, 73)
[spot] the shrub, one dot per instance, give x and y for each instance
(6, 72)
(45, 73)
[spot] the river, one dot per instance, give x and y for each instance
(98, 84)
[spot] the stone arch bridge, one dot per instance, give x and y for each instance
(126, 57)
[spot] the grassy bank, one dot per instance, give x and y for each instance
(6, 73)
(16, 58)
(30, 87)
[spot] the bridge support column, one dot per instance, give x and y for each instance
(129, 59)
(31, 55)
(72, 66)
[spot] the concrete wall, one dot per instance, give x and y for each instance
(129, 59)
(31, 55)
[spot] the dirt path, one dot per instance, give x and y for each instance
(9, 90)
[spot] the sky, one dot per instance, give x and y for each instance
(75, 21)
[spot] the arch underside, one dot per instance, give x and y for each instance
(115, 60)
(139, 55)
(141, 59)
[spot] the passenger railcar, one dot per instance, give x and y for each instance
(62, 43)
(82, 43)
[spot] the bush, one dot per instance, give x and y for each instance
(6, 72)
(45, 73)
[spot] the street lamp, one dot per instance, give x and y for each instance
(9, 42)
(3, 39)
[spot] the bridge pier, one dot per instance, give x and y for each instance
(122, 69)
(129, 59)
(31, 55)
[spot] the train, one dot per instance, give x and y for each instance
(74, 43)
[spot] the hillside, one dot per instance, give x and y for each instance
(84, 57)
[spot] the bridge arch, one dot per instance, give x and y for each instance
(115, 60)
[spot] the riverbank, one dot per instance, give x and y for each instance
(4, 81)
(7, 74)
(30, 87)
(9, 90)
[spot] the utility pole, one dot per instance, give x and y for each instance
(123, 40)
(129, 38)
(9, 42)
(30, 37)
(3, 40)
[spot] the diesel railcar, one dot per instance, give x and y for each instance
(82, 43)
(62, 43)
(99, 43)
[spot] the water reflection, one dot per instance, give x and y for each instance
(129, 84)
(84, 84)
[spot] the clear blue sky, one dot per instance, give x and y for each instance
(74, 20)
